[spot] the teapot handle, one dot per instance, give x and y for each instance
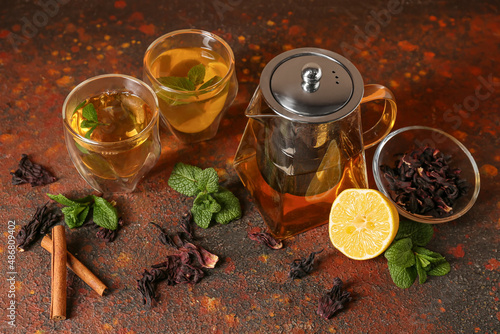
(388, 118)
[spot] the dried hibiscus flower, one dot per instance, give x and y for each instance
(302, 267)
(40, 224)
(423, 183)
(333, 300)
(187, 226)
(266, 239)
(177, 269)
(204, 257)
(164, 237)
(108, 235)
(29, 172)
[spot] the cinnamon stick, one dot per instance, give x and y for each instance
(58, 271)
(78, 268)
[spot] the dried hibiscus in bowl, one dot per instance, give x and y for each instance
(423, 182)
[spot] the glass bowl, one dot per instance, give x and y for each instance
(409, 138)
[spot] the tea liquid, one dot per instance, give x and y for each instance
(287, 214)
(124, 115)
(190, 114)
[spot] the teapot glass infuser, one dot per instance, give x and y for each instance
(304, 143)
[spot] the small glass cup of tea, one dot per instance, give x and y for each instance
(193, 74)
(111, 131)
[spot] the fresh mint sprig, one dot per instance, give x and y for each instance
(90, 118)
(76, 211)
(212, 201)
(194, 78)
(407, 258)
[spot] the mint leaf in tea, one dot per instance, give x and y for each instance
(198, 96)
(197, 74)
(114, 117)
(111, 117)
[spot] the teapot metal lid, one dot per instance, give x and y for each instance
(311, 85)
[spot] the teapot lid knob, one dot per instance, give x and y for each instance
(311, 74)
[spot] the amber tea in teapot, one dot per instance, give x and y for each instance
(303, 143)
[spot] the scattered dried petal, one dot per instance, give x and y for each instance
(186, 273)
(147, 285)
(186, 225)
(176, 269)
(266, 239)
(108, 235)
(302, 267)
(40, 224)
(32, 173)
(204, 257)
(179, 239)
(423, 183)
(333, 300)
(164, 237)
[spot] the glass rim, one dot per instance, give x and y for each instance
(420, 218)
(157, 41)
(154, 119)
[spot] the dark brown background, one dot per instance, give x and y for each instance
(432, 54)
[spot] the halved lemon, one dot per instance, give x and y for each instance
(363, 223)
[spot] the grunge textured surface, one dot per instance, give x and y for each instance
(440, 58)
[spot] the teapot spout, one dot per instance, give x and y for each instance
(258, 110)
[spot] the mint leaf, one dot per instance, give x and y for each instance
(177, 83)
(402, 277)
(83, 215)
(196, 74)
(72, 215)
(172, 98)
(184, 179)
(81, 148)
(431, 256)
(210, 82)
(201, 217)
(400, 253)
(87, 135)
(208, 180)
(422, 274)
(88, 124)
(89, 112)
(212, 201)
(419, 233)
(78, 107)
(440, 270)
(207, 202)
(426, 252)
(105, 214)
(422, 260)
(61, 199)
(204, 206)
(230, 206)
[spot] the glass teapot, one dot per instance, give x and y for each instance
(303, 143)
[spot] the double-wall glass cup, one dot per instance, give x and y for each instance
(193, 74)
(123, 144)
